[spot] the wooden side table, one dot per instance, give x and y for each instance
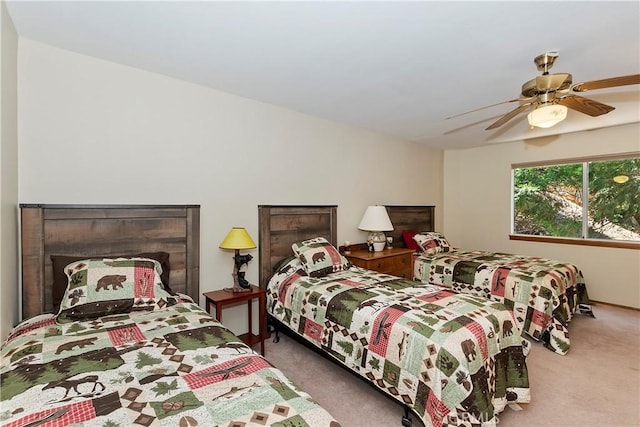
(394, 261)
(222, 298)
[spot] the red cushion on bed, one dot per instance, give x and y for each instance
(408, 240)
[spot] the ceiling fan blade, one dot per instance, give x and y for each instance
(632, 79)
(511, 114)
(488, 106)
(553, 81)
(586, 105)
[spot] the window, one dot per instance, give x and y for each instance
(595, 199)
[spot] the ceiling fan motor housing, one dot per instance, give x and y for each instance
(546, 83)
(545, 61)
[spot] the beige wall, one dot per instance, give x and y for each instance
(477, 204)
(92, 131)
(8, 175)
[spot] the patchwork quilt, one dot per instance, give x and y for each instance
(455, 360)
(544, 294)
(170, 367)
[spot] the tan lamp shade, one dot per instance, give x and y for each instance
(375, 218)
(238, 238)
(376, 221)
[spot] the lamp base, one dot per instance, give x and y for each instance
(378, 246)
(378, 239)
(240, 284)
(236, 290)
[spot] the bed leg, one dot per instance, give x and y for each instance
(272, 327)
(586, 309)
(406, 421)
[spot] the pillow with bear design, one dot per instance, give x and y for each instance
(319, 257)
(432, 242)
(60, 279)
(100, 287)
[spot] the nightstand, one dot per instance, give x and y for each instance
(222, 298)
(394, 261)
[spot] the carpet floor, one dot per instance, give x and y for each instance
(596, 384)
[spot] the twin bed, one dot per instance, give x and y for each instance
(129, 345)
(450, 359)
(543, 294)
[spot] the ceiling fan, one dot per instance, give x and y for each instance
(548, 96)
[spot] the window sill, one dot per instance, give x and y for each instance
(581, 242)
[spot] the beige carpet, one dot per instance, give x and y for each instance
(596, 384)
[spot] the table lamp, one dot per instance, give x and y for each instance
(237, 239)
(376, 221)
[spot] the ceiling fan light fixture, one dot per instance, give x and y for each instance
(547, 116)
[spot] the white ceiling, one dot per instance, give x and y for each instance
(398, 68)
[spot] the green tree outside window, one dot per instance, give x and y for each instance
(550, 200)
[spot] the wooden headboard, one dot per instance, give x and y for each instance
(102, 230)
(281, 226)
(410, 218)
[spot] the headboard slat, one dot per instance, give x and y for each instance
(33, 265)
(69, 212)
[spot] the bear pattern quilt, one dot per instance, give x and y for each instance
(455, 360)
(173, 367)
(544, 294)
